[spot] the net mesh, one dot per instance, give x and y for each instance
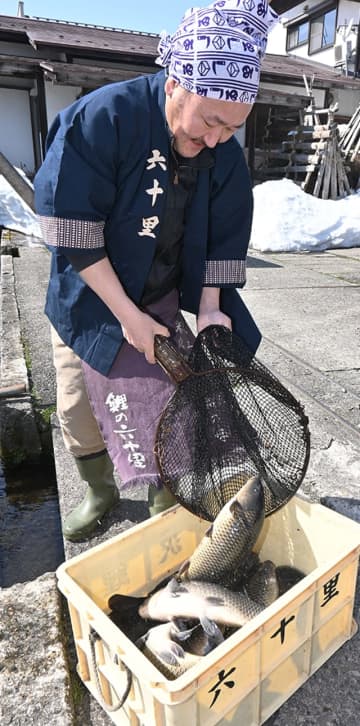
(229, 420)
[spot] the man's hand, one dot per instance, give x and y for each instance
(139, 328)
(140, 332)
(209, 310)
(216, 317)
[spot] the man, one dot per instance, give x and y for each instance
(145, 202)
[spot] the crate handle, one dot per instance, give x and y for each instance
(93, 637)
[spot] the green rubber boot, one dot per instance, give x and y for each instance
(159, 500)
(101, 494)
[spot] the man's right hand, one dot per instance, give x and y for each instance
(140, 332)
(139, 328)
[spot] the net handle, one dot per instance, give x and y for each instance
(170, 359)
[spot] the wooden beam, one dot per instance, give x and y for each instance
(267, 96)
(88, 76)
(65, 72)
(302, 145)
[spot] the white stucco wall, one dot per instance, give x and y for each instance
(277, 40)
(325, 56)
(15, 121)
(15, 128)
(57, 97)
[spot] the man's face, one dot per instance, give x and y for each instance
(197, 121)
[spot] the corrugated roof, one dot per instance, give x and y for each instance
(294, 67)
(76, 35)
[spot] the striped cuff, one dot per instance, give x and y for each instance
(73, 233)
(225, 272)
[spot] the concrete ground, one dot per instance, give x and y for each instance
(308, 308)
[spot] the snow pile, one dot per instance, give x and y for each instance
(14, 213)
(286, 219)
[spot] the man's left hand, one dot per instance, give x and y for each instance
(213, 317)
(209, 310)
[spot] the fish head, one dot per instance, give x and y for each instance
(249, 499)
(156, 606)
(152, 607)
(263, 585)
(158, 641)
(198, 641)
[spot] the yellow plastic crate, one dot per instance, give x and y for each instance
(248, 676)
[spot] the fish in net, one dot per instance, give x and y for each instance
(229, 419)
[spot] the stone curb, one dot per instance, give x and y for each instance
(19, 437)
(13, 373)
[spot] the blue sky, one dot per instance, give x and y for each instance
(150, 16)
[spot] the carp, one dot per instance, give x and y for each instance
(195, 639)
(168, 656)
(174, 648)
(208, 602)
(263, 586)
(288, 576)
(159, 640)
(229, 540)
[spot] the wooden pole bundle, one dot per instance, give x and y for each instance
(313, 154)
(350, 139)
(324, 167)
(328, 179)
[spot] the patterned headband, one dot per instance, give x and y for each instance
(216, 51)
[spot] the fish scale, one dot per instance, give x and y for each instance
(263, 586)
(230, 539)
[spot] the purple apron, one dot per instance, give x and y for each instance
(127, 403)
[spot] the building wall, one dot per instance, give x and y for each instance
(347, 11)
(58, 97)
(15, 122)
(348, 100)
(277, 39)
(15, 128)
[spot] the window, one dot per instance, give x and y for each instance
(322, 31)
(318, 31)
(297, 35)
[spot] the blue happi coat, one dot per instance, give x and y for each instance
(103, 183)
